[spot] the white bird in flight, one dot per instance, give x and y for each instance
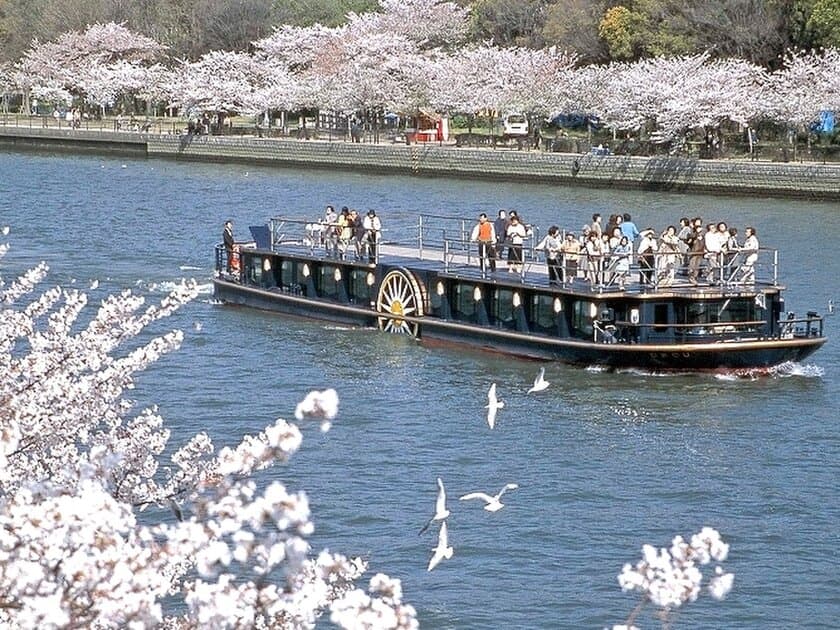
(493, 405)
(494, 504)
(539, 383)
(440, 507)
(443, 550)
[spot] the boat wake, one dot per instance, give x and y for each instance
(783, 370)
(169, 285)
(189, 268)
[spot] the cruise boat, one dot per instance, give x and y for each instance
(426, 281)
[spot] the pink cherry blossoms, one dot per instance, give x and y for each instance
(77, 464)
(669, 578)
(411, 55)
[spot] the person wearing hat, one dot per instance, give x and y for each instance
(647, 254)
(373, 229)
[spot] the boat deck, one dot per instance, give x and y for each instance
(464, 264)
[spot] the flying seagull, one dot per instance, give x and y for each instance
(494, 504)
(440, 507)
(493, 405)
(443, 550)
(539, 383)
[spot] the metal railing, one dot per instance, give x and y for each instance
(448, 240)
(335, 240)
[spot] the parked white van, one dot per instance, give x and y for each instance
(515, 125)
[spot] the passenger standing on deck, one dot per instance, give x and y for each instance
(696, 249)
(596, 225)
(621, 261)
(594, 257)
(358, 238)
(647, 255)
(552, 244)
(731, 253)
(750, 249)
(328, 230)
(571, 255)
(227, 238)
(669, 255)
(344, 231)
(629, 229)
(500, 225)
(373, 234)
(485, 235)
(684, 234)
(516, 235)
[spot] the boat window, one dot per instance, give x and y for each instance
(360, 290)
(327, 285)
(287, 273)
(660, 316)
(582, 316)
(717, 311)
(253, 270)
(302, 273)
(543, 317)
(464, 302)
(502, 308)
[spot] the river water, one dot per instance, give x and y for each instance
(604, 461)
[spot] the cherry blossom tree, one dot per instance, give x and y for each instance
(427, 23)
(220, 81)
(77, 463)
(100, 63)
(808, 83)
(669, 578)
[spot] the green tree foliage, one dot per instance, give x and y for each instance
(326, 12)
(824, 22)
(597, 30)
(508, 23)
(757, 30)
(620, 30)
(572, 25)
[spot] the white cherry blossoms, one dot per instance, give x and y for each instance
(669, 578)
(77, 465)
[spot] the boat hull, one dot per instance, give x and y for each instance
(729, 354)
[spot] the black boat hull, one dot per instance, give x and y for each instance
(725, 355)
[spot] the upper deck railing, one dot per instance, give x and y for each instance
(448, 241)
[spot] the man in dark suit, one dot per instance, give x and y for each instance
(227, 237)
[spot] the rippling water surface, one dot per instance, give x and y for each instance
(605, 461)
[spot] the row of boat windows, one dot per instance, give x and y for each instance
(496, 306)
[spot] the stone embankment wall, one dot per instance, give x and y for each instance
(677, 174)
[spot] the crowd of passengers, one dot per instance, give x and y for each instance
(347, 234)
(603, 254)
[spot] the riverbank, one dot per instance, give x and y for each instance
(668, 173)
